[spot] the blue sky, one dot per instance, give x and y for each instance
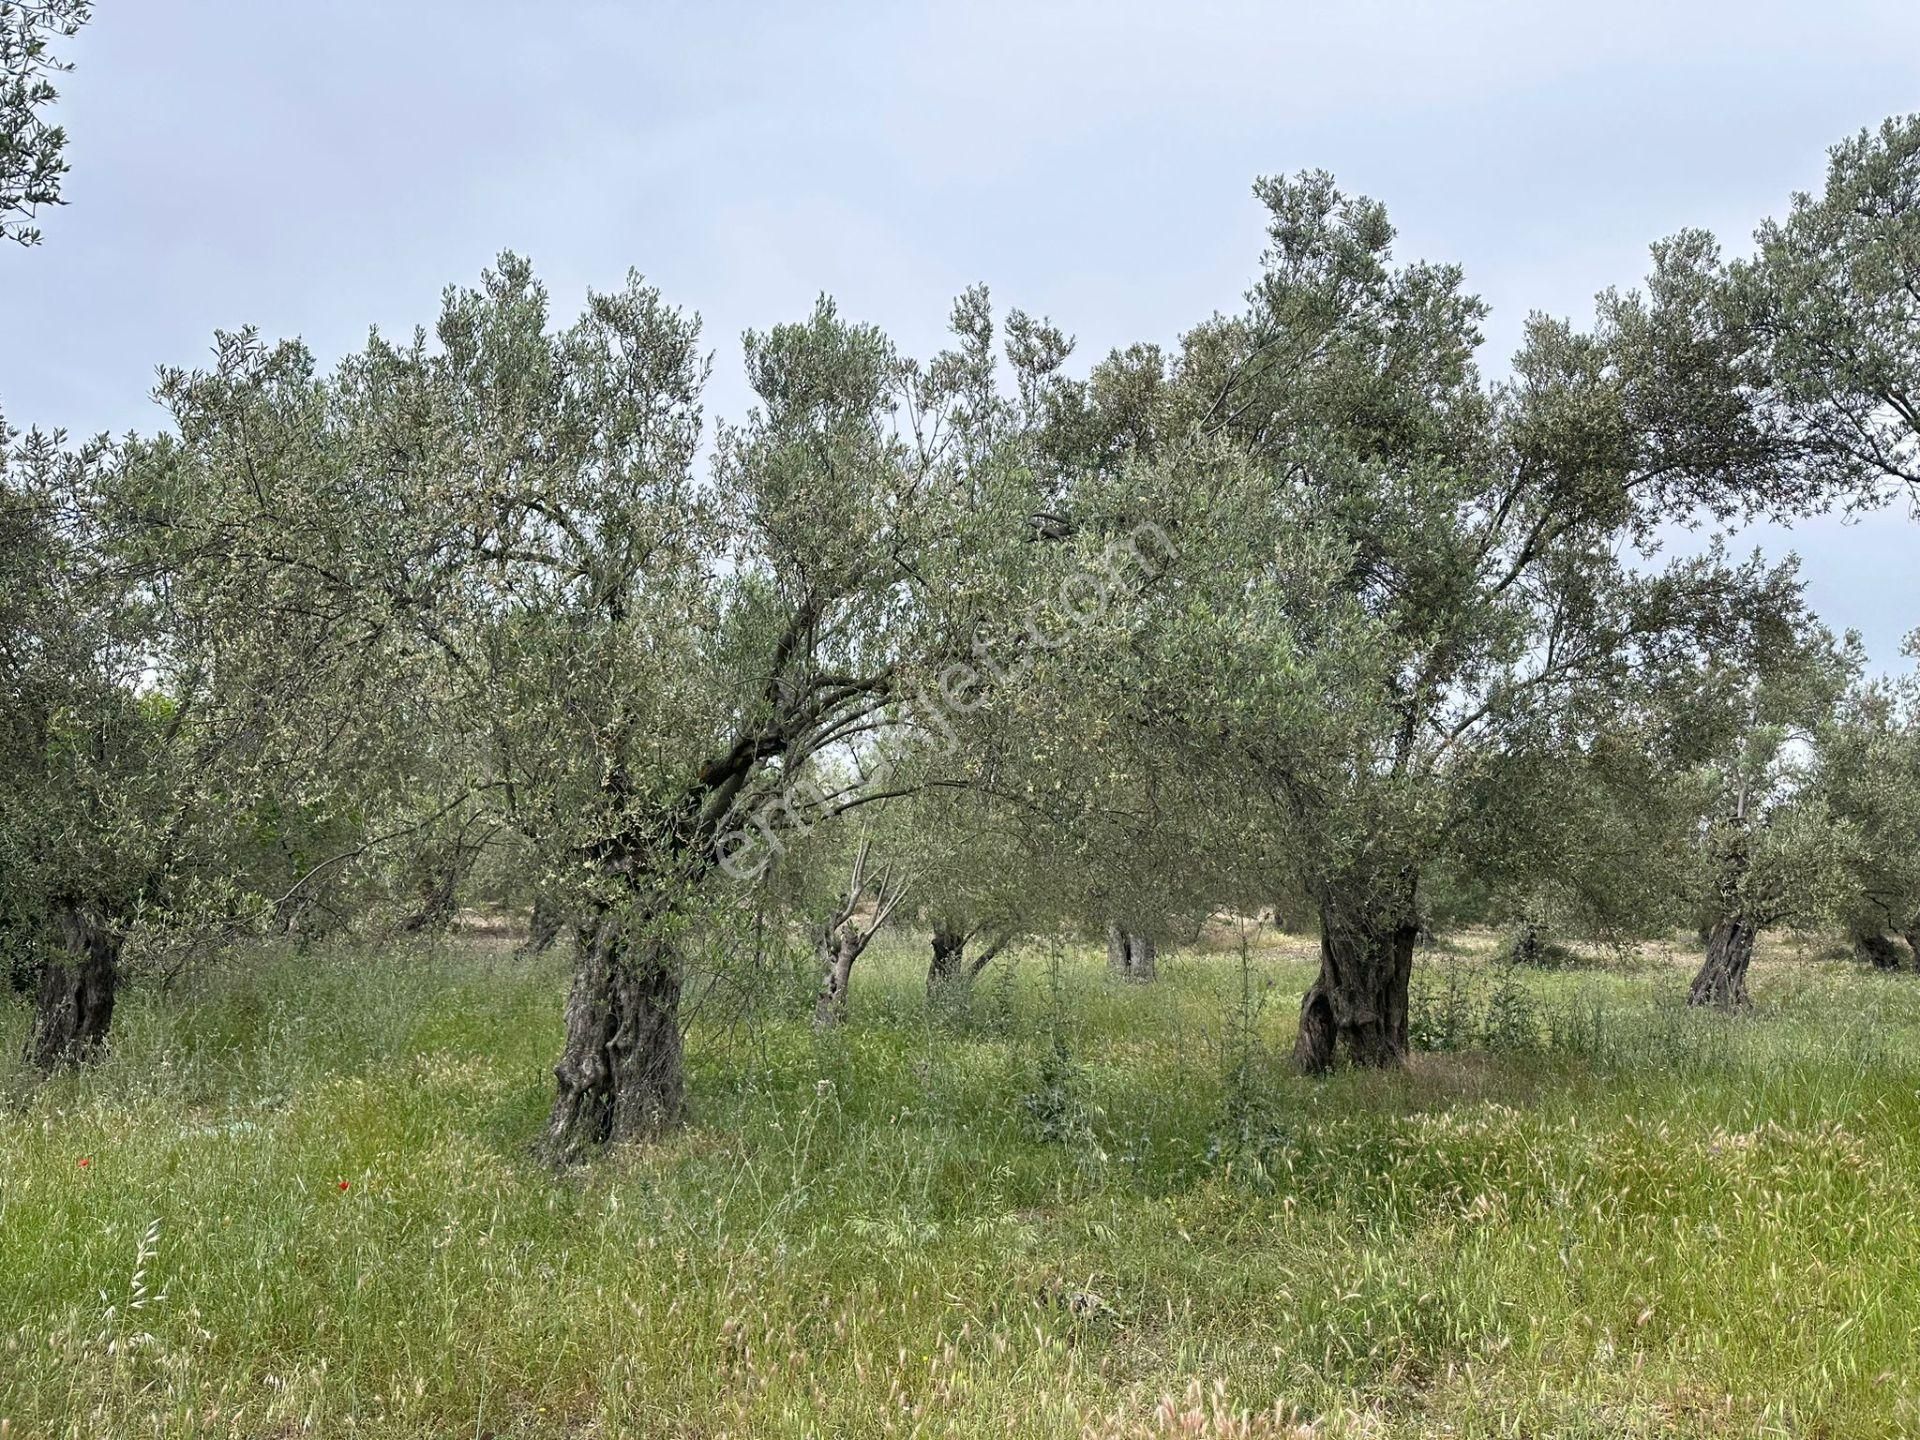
(315, 169)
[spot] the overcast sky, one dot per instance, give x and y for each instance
(314, 169)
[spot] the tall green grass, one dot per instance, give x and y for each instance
(1069, 1208)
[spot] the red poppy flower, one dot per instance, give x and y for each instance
(85, 1161)
(346, 1184)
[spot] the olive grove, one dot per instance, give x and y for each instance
(1304, 603)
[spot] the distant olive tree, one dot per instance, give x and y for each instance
(1867, 771)
(1769, 848)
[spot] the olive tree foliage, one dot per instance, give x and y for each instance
(636, 667)
(1740, 749)
(1393, 581)
(1578, 838)
(32, 150)
(147, 737)
(1034, 842)
(1831, 304)
(1030, 811)
(979, 879)
(983, 886)
(1866, 770)
(85, 790)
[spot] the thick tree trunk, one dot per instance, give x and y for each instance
(621, 1075)
(949, 960)
(1358, 1004)
(1143, 958)
(1131, 955)
(836, 951)
(952, 971)
(1722, 981)
(74, 1005)
(1877, 950)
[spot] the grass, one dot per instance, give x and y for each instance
(297, 1200)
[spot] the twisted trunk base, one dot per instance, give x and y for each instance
(1722, 981)
(622, 1074)
(1358, 1004)
(73, 1007)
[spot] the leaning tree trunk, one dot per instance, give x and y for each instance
(1357, 1006)
(1722, 981)
(74, 1005)
(1130, 954)
(621, 1075)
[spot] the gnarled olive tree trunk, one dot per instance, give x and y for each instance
(621, 1075)
(844, 936)
(1357, 1006)
(1130, 954)
(1722, 981)
(836, 951)
(948, 965)
(73, 1007)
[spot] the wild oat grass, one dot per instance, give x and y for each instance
(297, 1200)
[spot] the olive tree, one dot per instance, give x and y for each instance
(1768, 847)
(1867, 773)
(84, 784)
(145, 737)
(838, 886)
(635, 666)
(1393, 579)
